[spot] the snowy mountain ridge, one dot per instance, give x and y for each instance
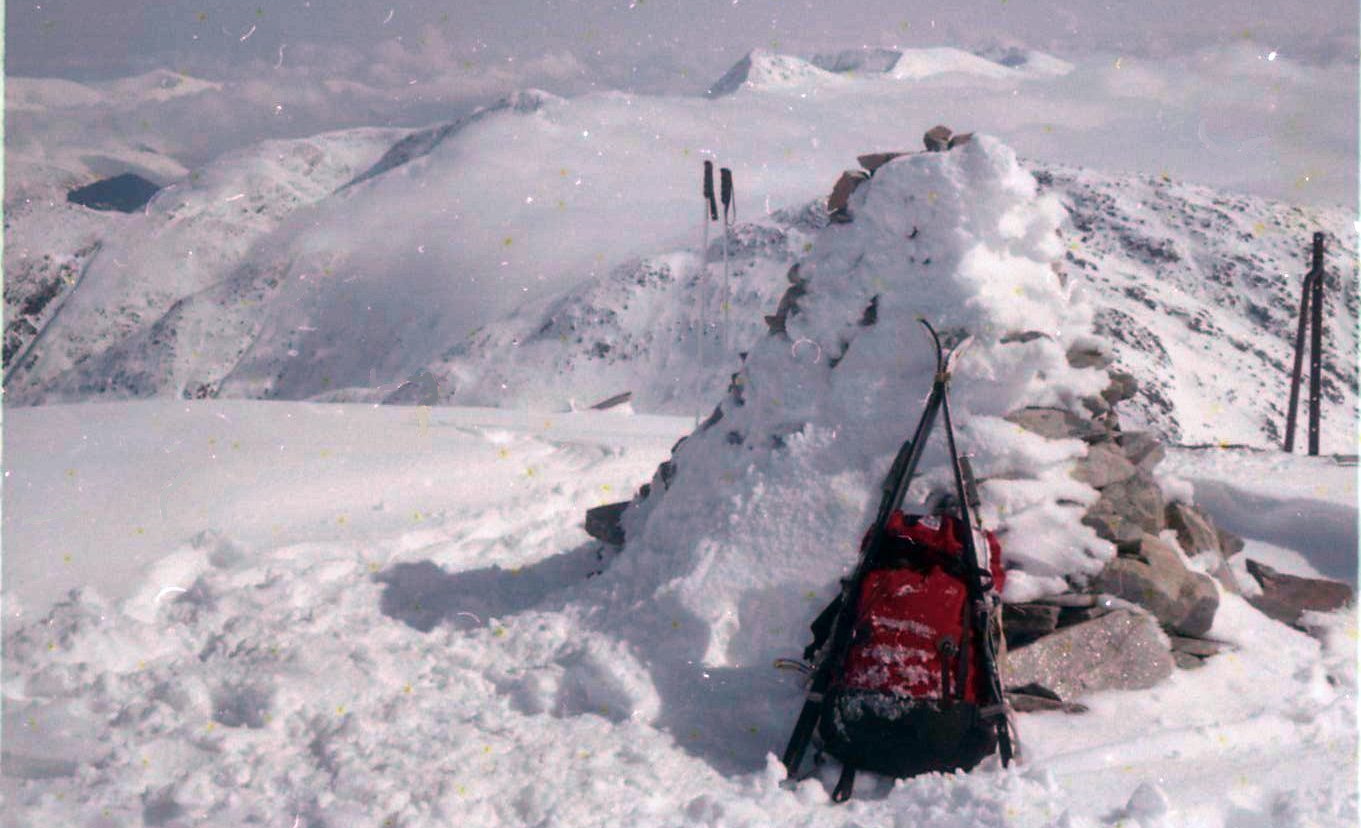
(520, 205)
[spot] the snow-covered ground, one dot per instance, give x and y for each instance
(299, 614)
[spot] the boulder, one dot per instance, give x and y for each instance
(1285, 597)
(1056, 424)
(602, 522)
(1123, 387)
(1142, 449)
(1035, 698)
(937, 138)
(1024, 623)
(1104, 464)
(1128, 509)
(1122, 650)
(1199, 647)
(421, 389)
(874, 160)
(1088, 356)
(1149, 573)
(1197, 535)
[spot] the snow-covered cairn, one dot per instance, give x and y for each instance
(757, 515)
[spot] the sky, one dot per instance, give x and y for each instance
(91, 39)
(1247, 94)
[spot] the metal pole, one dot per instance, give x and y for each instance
(1294, 403)
(1316, 345)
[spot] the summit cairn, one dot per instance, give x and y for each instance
(751, 523)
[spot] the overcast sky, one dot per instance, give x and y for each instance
(90, 39)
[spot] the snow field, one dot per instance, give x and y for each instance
(468, 669)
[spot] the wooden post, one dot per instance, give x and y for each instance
(1311, 317)
(1316, 345)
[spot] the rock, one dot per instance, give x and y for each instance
(1142, 448)
(874, 160)
(1088, 356)
(960, 138)
(602, 522)
(937, 138)
(1056, 424)
(421, 389)
(1104, 464)
(1035, 698)
(1284, 597)
(1199, 647)
(1123, 387)
(1128, 509)
(1122, 650)
(849, 181)
(789, 302)
(1229, 543)
(1096, 405)
(1194, 530)
(1197, 535)
(1076, 615)
(1149, 573)
(1024, 623)
(1069, 599)
(1187, 661)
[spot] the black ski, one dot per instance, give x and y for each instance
(841, 627)
(837, 639)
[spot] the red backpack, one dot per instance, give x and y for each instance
(907, 697)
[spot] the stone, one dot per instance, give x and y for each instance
(874, 160)
(789, 302)
(603, 522)
(1088, 356)
(1149, 573)
(1187, 661)
(1035, 698)
(937, 138)
(1023, 623)
(421, 389)
(1069, 599)
(841, 191)
(1197, 535)
(960, 138)
(1127, 510)
(1229, 543)
(1142, 448)
(1122, 650)
(1096, 405)
(1056, 424)
(1123, 387)
(1200, 647)
(1285, 597)
(1104, 465)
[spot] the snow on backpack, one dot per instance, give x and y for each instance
(911, 691)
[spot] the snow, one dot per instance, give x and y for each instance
(463, 669)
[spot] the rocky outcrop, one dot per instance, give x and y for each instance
(1287, 597)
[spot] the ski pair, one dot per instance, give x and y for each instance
(838, 631)
(710, 210)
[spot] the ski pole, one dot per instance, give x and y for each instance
(728, 201)
(710, 212)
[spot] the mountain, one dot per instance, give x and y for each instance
(340, 266)
(763, 70)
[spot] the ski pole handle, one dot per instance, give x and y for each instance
(725, 182)
(709, 189)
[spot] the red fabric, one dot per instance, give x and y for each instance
(908, 606)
